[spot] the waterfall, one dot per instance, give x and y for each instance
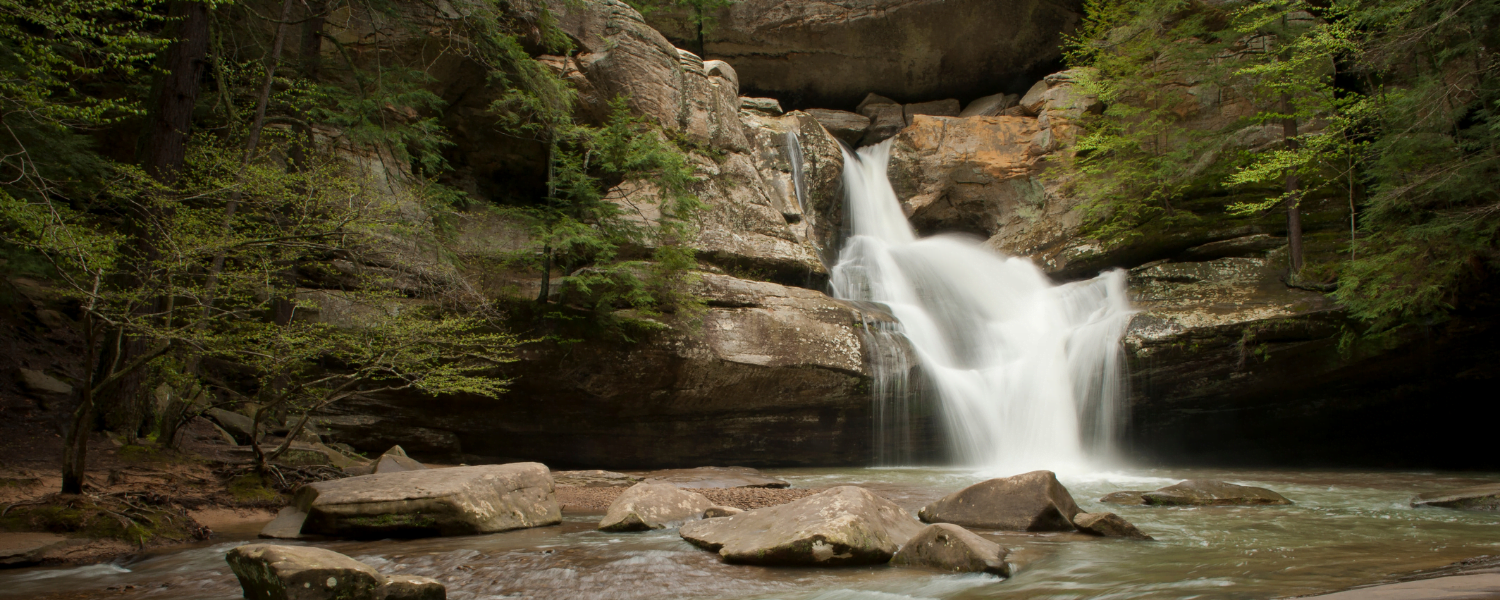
(1028, 373)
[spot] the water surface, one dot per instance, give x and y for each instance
(1347, 528)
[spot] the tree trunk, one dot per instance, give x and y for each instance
(171, 118)
(311, 58)
(541, 298)
(1293, 189)
(76, 445)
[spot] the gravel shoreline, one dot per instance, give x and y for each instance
(598, 499)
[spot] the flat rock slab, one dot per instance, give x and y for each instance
(1207, 492)
(428, 502)
(1034, 501)
(715, 477)
(648, 506)
(1457, 587)
(1108, 525)
(19, 549)
(845, 525)
(1482, 497)
(948, 547)
(594, 478)
(286, 526)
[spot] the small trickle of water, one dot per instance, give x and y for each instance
(794, 155)
(1028, 373)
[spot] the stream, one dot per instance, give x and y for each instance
(1346, 529)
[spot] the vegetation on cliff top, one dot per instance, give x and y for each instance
(1391, 104)
(275, 239)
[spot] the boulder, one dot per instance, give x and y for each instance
(843, 526)
(235, 423)
(1483, 497)
(594, 478)
(275, 572)
(453, 501)
(989, 106)
(1033, 501)
(38, 383)
(654, 506)
(395, 460)
(846, 126)
(715, 512)
(948, 547)
(873, 99)
(715, 477)
(936, 108)
(830, 53)
(1107, 525)
(1206, 492)
(766, 106)
(286, 526)
(886, 120)
(1127, 497)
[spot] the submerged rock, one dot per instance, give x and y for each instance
(1108, 525)
(1034, 501)
(715, 477)
(948, 547)
(654, 506)
(274, 572)
(454, 501)
(1482, 497)
(845, 525)
(1128, 498)
(1207, 492)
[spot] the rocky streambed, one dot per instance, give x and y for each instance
(1343, 529)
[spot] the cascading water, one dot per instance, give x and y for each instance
(1028, 372)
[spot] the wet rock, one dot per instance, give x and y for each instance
(1483, 497)
(654, 506)
(975, 175)
(715, 512)
(886, 120)
(1455, 587)
(936, 108)
(715, 477)
(1207, 492)
(1107, 525)
(842, 526)
(990, 106)
(411, 587)
(846, 126)
(453, 501)
(395, 460)
(1128, 498)
(275, 572)
(948, 547)
(1033, 501)
(594, 478)
(272, 572)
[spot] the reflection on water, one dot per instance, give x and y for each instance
(1346, 529)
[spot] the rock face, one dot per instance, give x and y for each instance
(454, 501)
(1483, 497)
(842, 526)
(1033, 501)
(1108, 525)
(825, 53)
(654, 506)
(951, 548)
(774, 376)
(1203, 492)
(716, 477)
(272, 572)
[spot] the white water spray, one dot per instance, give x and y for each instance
(1029, 373)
